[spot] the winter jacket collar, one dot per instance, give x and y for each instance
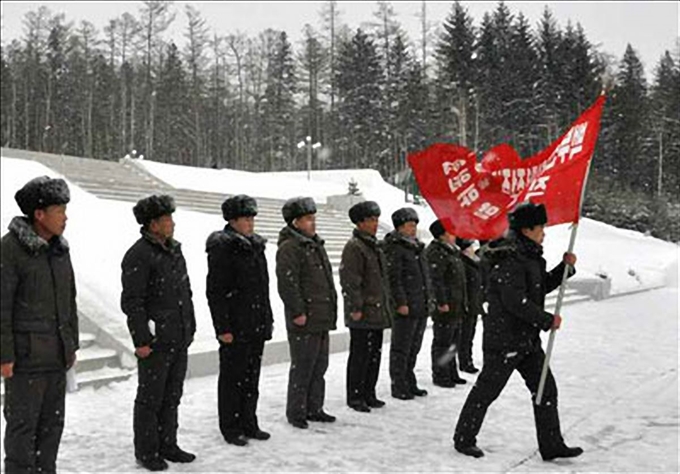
(290, 232)
(369, 239)
(528, 247)
(409, 242)
(512, 244)
(451, 249)
(229, 234)
(170, 245)
(31, 241)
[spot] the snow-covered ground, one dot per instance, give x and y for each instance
(616, 364)
(616, 361)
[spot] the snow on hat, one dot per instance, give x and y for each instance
(363, 210)
(40, 193)
(404, 215)
(239, 206)
(153, 207)
(297, 207)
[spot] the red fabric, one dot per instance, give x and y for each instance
(473, 199)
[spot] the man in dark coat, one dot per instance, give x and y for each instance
(365, 286)
(156, 298)
(306, 287)
(38, 326)
(475, 309)
(238, 295)
(517, 286)
(407, 271)
(447, 273)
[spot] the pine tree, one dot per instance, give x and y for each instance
(665, 129)
(549, 88)
(279, 109)
(359, 80)
(629, 106)
(522, 72)
(455, 52)
(174, 120)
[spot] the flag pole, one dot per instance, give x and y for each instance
(560, 296)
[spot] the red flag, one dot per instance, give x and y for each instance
(473, 199)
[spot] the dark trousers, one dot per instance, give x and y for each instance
(238, 384)
(159, 391)
(407, 338)
(445, 344)
(467, 334)
(34, 412)
(306, 384)
(363, 364)
(498, 366)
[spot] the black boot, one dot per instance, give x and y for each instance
(375, 403)
(301, 424)
(359, 405)
(470, 450)
(444, 383)
(236, 440)
(153, 464)
(459, 381)
(175, 454)
(258, 434)
(563, 452)
(418, 392)
(470, 369)
(321, 416)
(402, 395)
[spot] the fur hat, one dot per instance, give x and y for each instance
(527, 215)
(297, 207)
(463, 243)
(404, 215)
(153, 207)
(437, 229)
(363, 210)
(239, 206)
(40, 193)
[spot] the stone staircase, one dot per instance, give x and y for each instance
(127, 181)
(96, 366)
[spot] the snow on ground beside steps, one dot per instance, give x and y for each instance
(616, 368)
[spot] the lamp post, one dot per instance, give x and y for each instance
(307, 142)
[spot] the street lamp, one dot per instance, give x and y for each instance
(308, 143)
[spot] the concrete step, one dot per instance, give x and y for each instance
(95, 357)
(102, 377)
(86, 339)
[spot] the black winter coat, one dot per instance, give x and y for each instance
(407, 270)
(447, 274)
(305, 282)
(365, 284)
(473, 277)
(238, 285)
(517, 286)
(156, 288)
(38, 313)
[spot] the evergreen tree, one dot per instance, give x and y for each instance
(629, 107)
(359, 80)
(665, 129)
(455, 51)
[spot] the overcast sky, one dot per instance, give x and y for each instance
(650, 27)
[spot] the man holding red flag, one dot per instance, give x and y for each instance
(474, 198)
(517, 285)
